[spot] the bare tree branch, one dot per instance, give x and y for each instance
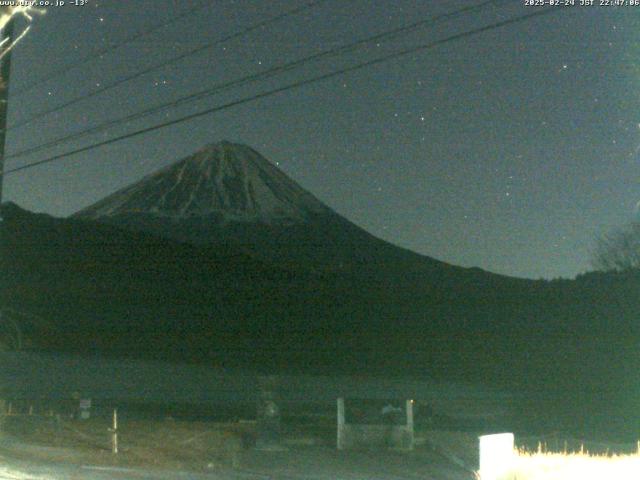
(619, 250)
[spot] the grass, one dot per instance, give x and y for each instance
(165, 444)
(573, 466)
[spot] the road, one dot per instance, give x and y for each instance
(28, 462)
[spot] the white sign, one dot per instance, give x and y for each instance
(496, 456)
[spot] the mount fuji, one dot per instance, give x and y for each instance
(228, 194)
(223, 181)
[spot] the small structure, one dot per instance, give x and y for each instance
(391, 427)
(268, 414)
(84, 408)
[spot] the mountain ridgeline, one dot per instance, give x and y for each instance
(221, 258)
(228, 194)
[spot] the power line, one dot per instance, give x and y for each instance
(291, 86)
(387, 35)
(168, 62)
(109, 49)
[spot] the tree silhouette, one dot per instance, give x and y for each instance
(619, 250)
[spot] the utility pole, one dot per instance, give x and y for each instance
(5, 71)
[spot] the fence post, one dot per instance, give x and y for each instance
(340, 439)
(114, 432)
(409, 410)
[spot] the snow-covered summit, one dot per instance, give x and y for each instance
(228, 180)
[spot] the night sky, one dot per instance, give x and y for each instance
(511, 150)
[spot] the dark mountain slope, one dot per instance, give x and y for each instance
(229, 194)
(106, 288)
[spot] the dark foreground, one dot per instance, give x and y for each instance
(297, 462)
(30, 449)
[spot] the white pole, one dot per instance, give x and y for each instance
(114, 437)
(340, 439)
(409, 409)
